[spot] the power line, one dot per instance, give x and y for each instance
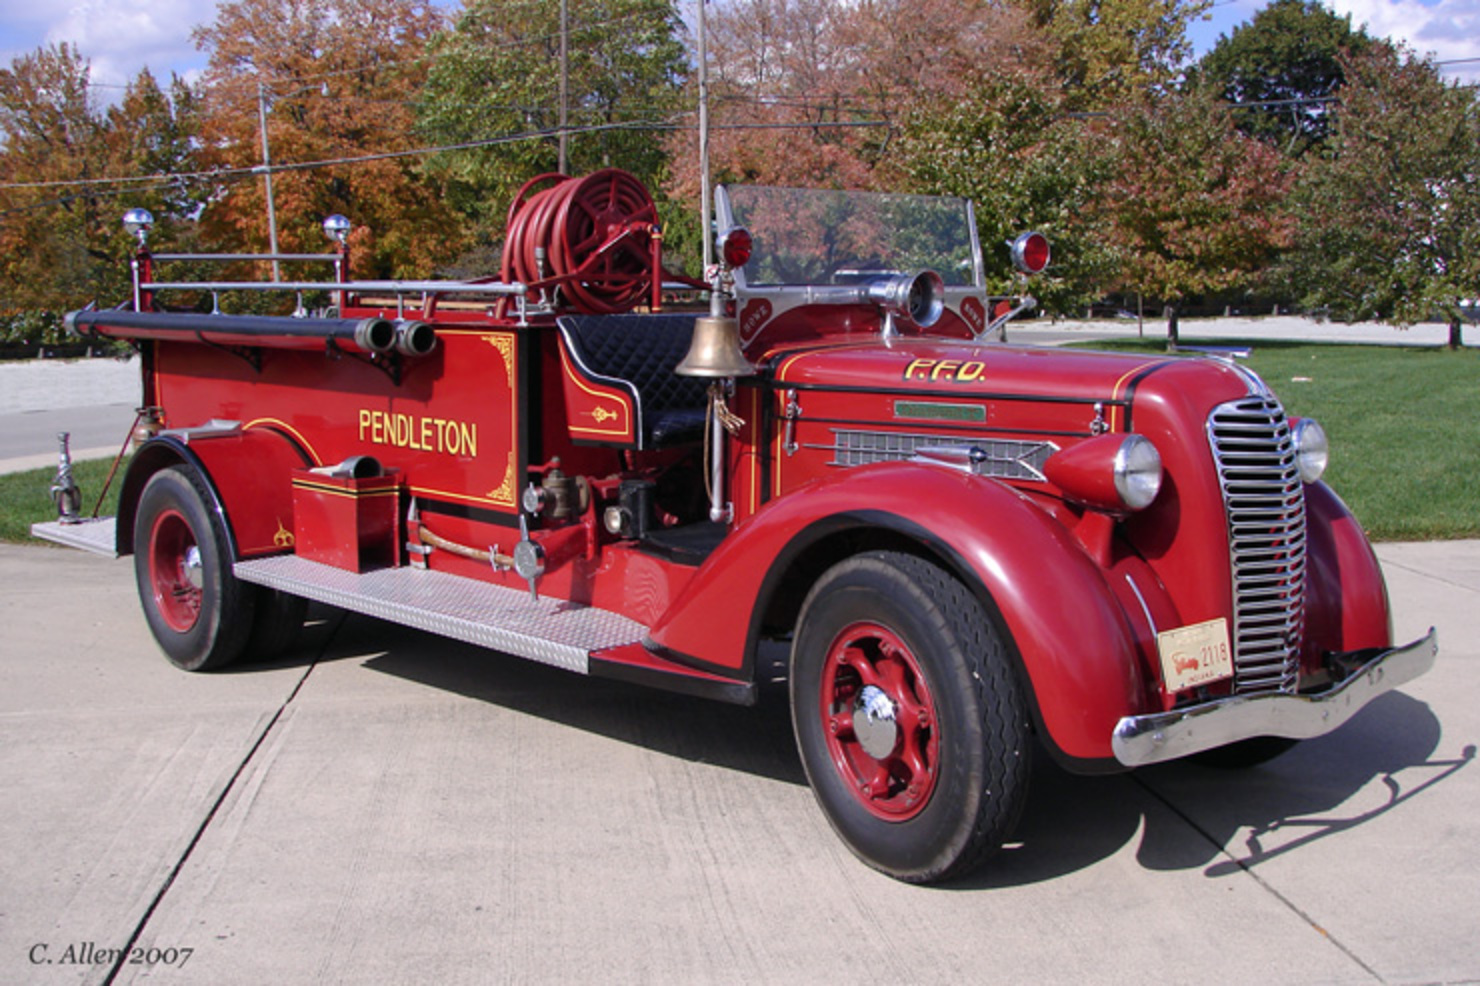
(220, 174)
(91, 194)
(215, 173)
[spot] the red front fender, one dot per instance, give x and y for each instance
(1074, 642)
(1346, 603)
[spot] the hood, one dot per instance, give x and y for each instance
(1013, 375)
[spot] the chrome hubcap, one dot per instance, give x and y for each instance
(875, 722)
(192, 567)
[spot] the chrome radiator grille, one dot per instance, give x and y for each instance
(1000, 458)
(1255, 454)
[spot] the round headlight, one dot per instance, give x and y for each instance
(1137, 472)
(1312, 450)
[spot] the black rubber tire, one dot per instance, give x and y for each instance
(176, 500)
(980, 781)
(276, 624)
(1245, 753)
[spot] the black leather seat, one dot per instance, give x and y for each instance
(638, 353)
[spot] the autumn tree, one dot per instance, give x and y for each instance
(1390, 219)
(151, 133)
(1006, 141)
(1107, 52)
(859, 95)
(68, 171)
(335, 80)
(787, 104)
(1191, 206)
(55, 234)
(816, 91)
(1282, 69)
(495, 83)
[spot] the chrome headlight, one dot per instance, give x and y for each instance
(1109, 473)
(1312, 450)
(1137, 472)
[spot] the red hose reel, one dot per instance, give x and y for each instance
(595, 238)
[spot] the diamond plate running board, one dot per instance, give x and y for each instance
(95, 534)
(551, 631)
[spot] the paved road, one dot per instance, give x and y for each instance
(385, 807)
(92, 399)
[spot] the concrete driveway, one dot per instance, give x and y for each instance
(387, 807)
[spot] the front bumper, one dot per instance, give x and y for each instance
(1141, 740)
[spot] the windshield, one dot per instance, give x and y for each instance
(809, 236)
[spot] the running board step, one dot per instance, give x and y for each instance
(95, 534)
(551, 631)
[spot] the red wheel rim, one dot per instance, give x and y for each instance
(174, 570)
(880, 721)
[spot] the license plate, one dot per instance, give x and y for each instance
(1195, 655)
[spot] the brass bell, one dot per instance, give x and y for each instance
(715, 350)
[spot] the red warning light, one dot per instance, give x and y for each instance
(1030, 253)
(735, 246)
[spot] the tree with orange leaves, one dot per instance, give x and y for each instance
(61, 197)
(335, 81)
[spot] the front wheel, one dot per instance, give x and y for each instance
(908, 716)
(199, 613)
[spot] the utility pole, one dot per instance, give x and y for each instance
(267, 178)
(564, 82)
(706, 227)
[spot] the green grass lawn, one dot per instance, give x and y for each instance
(25, 497)
(1404, 424)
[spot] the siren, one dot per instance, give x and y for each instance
(919, 297)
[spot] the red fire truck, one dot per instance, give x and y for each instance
(958, 553)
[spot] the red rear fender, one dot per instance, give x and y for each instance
(247, 471)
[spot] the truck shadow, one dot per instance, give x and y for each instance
(756, 740)
(1375, 764)
(1178, 816)
(1222, 821)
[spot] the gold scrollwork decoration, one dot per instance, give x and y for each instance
(504, 343)
(505, 491)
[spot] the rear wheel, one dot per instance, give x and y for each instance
(908, 716)
(276, 623)
(198, 611)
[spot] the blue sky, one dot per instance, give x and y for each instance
(122, 36)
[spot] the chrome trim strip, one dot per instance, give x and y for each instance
(1161, 736)
(1142, 600)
